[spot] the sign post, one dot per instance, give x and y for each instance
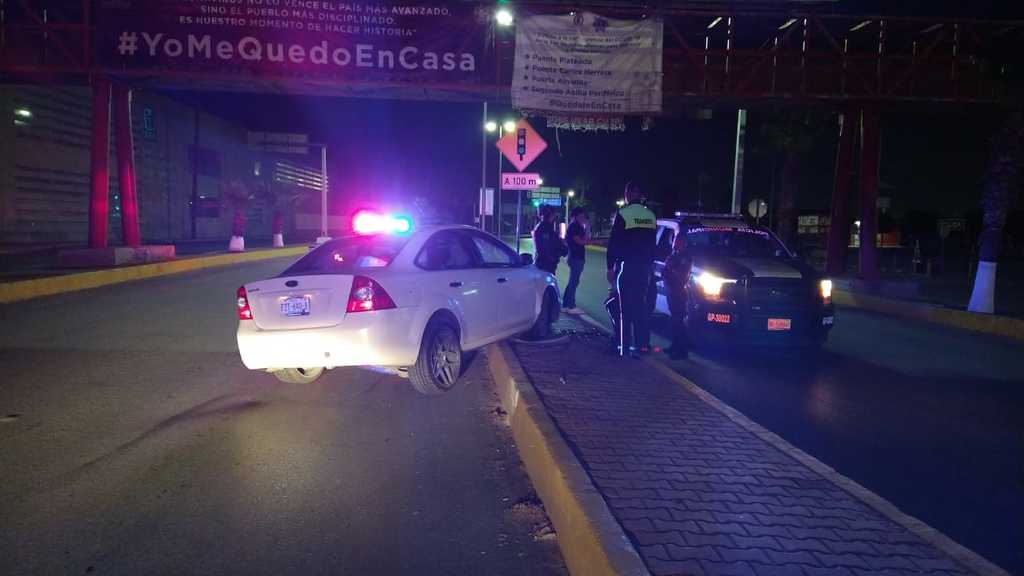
(521, 147)
(520, 181)
(757, 208)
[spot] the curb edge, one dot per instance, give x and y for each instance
(591, 540)
(968, 558)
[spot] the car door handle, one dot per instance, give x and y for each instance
(455, 284)
(502, 280)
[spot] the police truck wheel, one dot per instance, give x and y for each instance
(440, 360)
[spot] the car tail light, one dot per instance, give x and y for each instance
(367, 295)
(244, 312)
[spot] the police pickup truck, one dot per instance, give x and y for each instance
(745, 284)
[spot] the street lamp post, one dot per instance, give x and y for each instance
(490, 126)
(483, 169)
(323, 195)
(568, 196)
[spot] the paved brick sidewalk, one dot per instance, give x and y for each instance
(696, 492)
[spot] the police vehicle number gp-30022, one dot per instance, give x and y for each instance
(745, 284)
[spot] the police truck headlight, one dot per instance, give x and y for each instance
(825, 287)
(711, 284)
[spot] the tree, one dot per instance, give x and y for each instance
(1001, 184)
(237, 196)
(789, 135)
(280, 197)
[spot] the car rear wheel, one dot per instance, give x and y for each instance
(299, 375)
(548, 312)
(439, 363)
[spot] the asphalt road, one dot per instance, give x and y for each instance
(928, 417)
(133, 441)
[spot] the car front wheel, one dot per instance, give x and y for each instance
(549, 311)
(439, 363)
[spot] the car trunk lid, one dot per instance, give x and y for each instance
(297, 302)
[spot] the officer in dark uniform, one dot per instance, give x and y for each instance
(546, 243)
(630, 263)
(678, 267)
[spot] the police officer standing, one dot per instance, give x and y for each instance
(546, 243)
(678, 267)
(630, 262)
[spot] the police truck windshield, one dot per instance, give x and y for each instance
(734, 242)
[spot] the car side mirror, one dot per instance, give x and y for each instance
(526, 258)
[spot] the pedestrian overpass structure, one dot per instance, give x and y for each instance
(855, 64)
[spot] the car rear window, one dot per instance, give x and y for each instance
(348, 255)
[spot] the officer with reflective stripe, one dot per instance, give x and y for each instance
(630, 262)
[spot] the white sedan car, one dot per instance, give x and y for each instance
(407, 303)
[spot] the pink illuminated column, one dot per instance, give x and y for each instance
(126, 165)
(99, 206)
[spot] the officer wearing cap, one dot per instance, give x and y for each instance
(631, 250)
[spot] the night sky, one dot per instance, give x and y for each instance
(933, 157)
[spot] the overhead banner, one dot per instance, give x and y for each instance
(309, 39)
(584, 64)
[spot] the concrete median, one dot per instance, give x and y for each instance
(39, 287)
(592, 541)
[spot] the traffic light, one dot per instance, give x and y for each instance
(536, 203)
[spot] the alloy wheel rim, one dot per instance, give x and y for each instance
(445, 360)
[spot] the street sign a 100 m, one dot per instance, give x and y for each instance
(522, 146)
(520, 181)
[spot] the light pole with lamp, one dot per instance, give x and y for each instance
(490, 126)
(504, 18)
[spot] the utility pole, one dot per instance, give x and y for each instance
(483, 171)
(737, 173)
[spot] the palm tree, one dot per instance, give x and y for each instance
(1001, 185)
(280, 197)
(237, 196)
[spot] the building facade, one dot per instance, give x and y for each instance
(183, 156)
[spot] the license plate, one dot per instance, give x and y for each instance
(295, 307)
(779, 324)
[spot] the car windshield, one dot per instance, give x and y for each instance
(348, 255)
(733, 242)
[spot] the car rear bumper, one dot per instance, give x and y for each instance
(729, 322)
(383, 338)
